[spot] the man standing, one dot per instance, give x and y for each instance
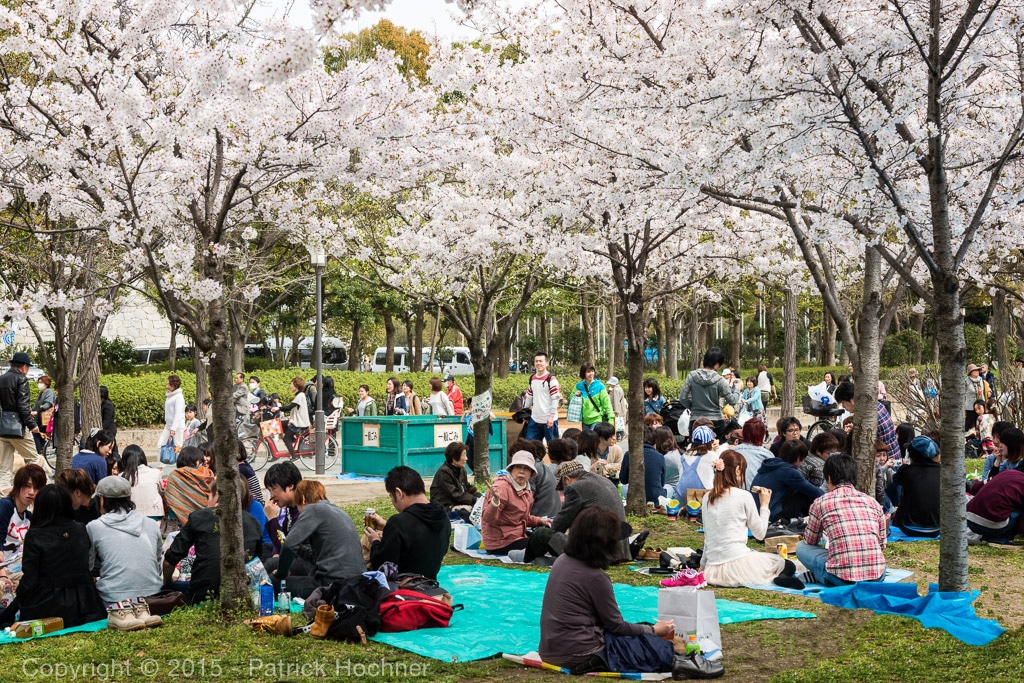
(240, 396)
(886, 430)
(543, 395)
(704, 389)
(989, 378)
(854, 525)
(17, 416)
(454, 393)
(766, 385)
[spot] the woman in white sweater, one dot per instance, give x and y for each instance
(174, 413)
(728, 511)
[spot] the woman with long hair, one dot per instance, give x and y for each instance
(408, 403)
(56, 580)
(728, 512)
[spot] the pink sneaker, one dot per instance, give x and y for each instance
(686, 577)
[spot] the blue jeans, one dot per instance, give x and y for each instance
(814, 557)
(1003, 534)
(535, 431)
(989, 462)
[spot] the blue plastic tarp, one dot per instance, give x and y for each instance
(951, 612)
(502, 614)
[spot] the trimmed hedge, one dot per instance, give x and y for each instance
(140, 398)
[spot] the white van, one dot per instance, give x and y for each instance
(455, 359)
(335, 352)
(378, 362)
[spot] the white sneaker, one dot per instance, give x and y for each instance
(974, 539)
(517, 556)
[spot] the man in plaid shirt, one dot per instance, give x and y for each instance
(886, 429)
(854, 525)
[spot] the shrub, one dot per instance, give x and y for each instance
(117, 355)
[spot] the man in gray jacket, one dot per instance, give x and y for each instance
(584, 490)
(704, 389)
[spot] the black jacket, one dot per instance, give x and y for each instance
(107, 418)
(14, 396)
(203, 531)
(56, 581)
(415, 539)
(451, 487)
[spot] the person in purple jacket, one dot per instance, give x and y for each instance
(994, 514)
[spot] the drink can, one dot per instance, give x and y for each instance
(783, 551)
(368, 518)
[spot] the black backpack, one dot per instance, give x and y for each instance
(670, 413)
(356, 604)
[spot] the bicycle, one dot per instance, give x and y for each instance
(50, 450)
(263, 449)
(828, 417)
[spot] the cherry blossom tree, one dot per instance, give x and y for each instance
(183, 135)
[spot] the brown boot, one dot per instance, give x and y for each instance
(322, 621)
(280, 624)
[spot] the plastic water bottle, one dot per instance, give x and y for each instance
(692, 646)
(284, 601)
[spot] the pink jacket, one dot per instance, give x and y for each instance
(504, 523)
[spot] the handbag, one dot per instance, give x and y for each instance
(271, 428)
(10, 425)
(574, 413)
(693, 611)
(165, 602)
(168, 454)
(408, 610)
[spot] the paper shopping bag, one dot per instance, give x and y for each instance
(467, 537)
(693, 611)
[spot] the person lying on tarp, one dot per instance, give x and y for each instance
(581, 627)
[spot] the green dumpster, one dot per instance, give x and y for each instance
(371, 446)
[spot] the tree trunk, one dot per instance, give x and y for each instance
(695, 342)
(202, 388)
(389, 342)
(172, 350)
(417, 349)
(865, 419)
(614, 340)
(1000, 333)
(65, 427)
(587, 313)
(737, 333)
(89, 385)
(504, 357)
(237, 348)
(482, 378)
(636, 497)
(355, 350)
(545, 341)
(234, 592)
(788, 392)
(672, 346)
(661, 327)
(828, 341)
(917, 324)
(769, 329)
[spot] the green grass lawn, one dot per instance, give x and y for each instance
(841, 645)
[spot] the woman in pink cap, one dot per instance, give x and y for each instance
(506, 511)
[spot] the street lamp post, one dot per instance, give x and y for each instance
(318, 259)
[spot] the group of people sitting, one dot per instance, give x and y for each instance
(105, 537)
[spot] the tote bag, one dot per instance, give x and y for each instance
(168, 454)
(574, 413)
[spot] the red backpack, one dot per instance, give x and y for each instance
(406, 610)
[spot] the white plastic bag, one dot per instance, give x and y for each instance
(819, 393)
(683, 425)
(466, 537)
(693, 611)
(477, 512)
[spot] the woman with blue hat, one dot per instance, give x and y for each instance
(917, 488)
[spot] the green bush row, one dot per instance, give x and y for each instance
(140, 398)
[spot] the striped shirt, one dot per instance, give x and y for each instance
(543, 396)
(854, 525)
